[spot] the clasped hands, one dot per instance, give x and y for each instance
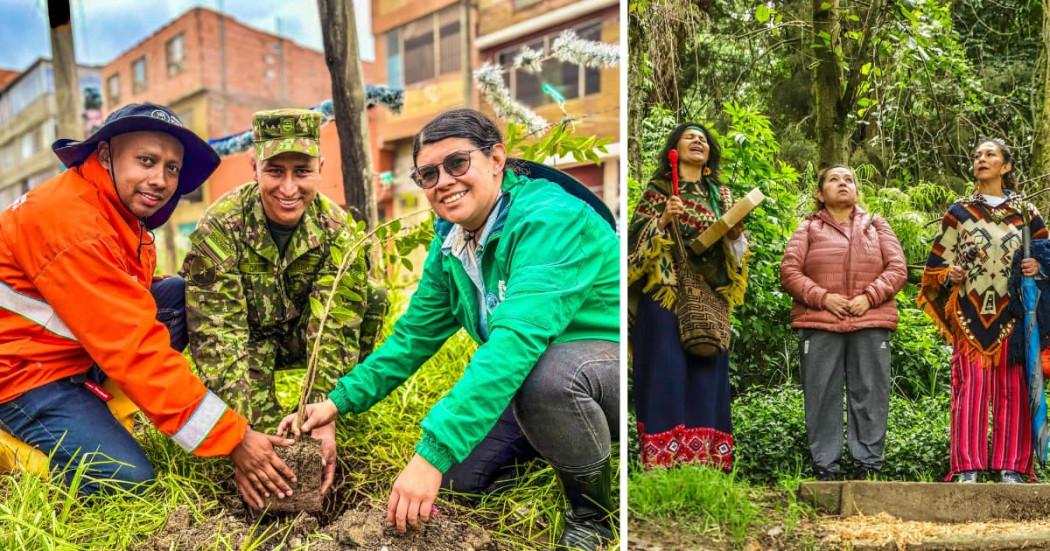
(843, 307)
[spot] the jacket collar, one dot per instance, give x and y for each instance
(858, 218)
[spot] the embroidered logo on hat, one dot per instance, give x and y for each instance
(166, 117)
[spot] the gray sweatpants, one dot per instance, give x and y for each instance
(861, 360)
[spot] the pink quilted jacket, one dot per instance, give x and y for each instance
(821, 259)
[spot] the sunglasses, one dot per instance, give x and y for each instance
(456, 164)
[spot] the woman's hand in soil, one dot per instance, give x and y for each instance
(325, 434)
(316, 415)
(255, 457)
(413, 495)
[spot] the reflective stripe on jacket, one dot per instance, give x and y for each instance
(76, 268)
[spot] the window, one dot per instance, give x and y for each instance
(449, 41)
(175, 56)
(113, 90)
(138, 75)
(8, 157)
(30, 143)
(393, 59)
(425, 48)
(570, 80)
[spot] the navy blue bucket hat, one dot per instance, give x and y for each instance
(199, 160)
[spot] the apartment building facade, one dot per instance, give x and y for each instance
(28, 126)
(419, 47)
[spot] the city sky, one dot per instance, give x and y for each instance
(102, 29)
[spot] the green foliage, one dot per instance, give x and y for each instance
(560, 142)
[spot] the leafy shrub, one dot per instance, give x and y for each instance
(770, 434)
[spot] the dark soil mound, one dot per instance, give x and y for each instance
(304, 458)
(353, 530)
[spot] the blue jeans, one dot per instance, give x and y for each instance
(73, 425)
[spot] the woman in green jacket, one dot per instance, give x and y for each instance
(532, 274)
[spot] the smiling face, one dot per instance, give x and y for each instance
(467, 199)
(839, 188)
(288, 183)
(146, 165)
(693, 147)
(989, 164)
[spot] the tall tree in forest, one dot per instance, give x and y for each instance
(1041, 145)
(838, 74)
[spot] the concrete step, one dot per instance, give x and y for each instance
(931, 501)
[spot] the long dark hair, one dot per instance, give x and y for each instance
(714, 154)
(1010, 178)
(468, 124)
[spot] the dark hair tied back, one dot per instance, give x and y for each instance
(468, 124)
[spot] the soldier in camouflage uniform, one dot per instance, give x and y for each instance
(256, 258)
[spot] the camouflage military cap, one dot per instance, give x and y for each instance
(286, 130)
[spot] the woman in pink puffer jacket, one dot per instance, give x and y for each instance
(842, 267)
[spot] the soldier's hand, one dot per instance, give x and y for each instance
(320, 413)
(325, 434)
(261, 466)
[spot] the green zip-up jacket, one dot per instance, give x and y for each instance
(549, 268)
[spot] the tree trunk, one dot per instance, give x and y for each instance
(64, 66)
(831, 123)
(348, 99)
(1041, 147)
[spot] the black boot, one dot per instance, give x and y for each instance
(588, 522)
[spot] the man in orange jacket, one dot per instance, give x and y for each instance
(76, 268)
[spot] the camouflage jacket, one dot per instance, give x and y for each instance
(248, 309)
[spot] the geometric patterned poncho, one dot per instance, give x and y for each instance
(982, 239)
(649, 258)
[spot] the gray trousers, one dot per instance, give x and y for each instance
(569, 405)
(861, 360)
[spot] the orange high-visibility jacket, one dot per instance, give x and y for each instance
(74, 290)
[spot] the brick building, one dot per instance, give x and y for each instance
(214, 72)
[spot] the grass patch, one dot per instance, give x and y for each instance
(373, 448)
(713, 499)
(698, 507)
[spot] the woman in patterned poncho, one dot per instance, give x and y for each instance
(681, 400)
(965, 292)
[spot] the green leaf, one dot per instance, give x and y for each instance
(406, 263)
(348, 294)
(326, 281)
(337, 255)
(316, 308)
(762, 13)
(825, 6)
(865, 69)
